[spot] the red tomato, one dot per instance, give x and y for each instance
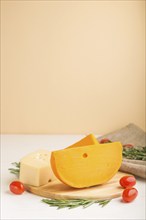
(105, 140)
(127, 181)
(128, 145)
(129, 194)
(17, 187)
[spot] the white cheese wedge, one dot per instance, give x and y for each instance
(35, 168)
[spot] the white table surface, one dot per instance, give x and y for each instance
(29, 206)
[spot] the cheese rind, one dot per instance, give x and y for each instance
(86, 166)
(35, 168)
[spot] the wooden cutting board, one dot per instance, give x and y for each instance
(58, 190)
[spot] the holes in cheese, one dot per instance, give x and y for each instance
(88, 165)
(85, 155)
(88, 140)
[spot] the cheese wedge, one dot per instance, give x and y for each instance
(88, 140)
(87, 166)
(35, 168)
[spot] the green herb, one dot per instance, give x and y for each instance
(15, 170)
(135, 153)
(74, 203)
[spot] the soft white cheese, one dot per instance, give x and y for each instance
(35, 168)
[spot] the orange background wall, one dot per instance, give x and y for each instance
(72, 66)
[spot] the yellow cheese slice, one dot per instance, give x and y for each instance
(88, 140)
(88, 165)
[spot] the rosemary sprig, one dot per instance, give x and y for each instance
(135, 153)
(74, 203)
(15, 170)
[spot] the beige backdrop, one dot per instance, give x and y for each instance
(72, 66)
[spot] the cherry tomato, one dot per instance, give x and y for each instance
(129, 194)
(105, 140)
(17, 187)
(128, 145)
(127, 181)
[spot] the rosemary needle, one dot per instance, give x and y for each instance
(73, 203)
(15, 170)
(135, 153)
